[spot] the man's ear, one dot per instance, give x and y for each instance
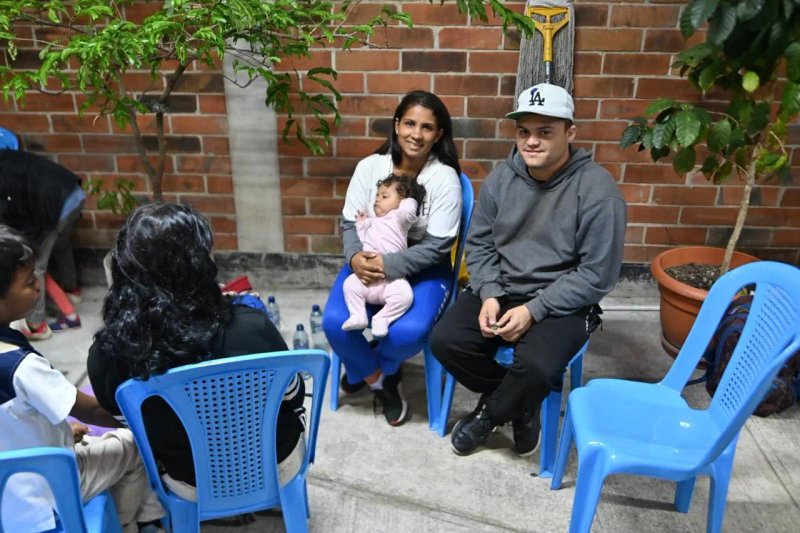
(571, 131)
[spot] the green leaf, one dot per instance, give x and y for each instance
(750, 81)
(708, 75)
(663, 133)
(631, 135)
(748, 9)
(695, 14)
(723, 172)
(659, 105)
(684, 160)
(719, 136)
(687, 128)
(709, 166)
(793, 62)
(658, 153)
(722, 24)
(790, 101)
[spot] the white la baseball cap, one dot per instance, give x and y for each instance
(544, 99)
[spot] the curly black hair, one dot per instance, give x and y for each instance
(164, 305)
(16, 252)
(407, 187)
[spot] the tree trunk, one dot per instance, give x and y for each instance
(749, 181)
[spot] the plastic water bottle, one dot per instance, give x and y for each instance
(300, 339)
(273, 312)
(318, 339)
(300, 342)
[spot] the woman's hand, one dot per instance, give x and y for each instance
(367, 266)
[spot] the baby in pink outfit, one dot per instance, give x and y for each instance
(386, 232)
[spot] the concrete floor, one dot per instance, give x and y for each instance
(371, 477)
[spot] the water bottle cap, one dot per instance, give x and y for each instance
(300, 327)
(315, 307)
(270, 299)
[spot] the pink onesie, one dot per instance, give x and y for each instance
(386, 234)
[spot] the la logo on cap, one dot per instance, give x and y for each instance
(536, 97)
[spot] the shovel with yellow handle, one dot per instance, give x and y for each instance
(548, 20)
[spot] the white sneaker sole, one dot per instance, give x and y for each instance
(403, 402)
(535, 448)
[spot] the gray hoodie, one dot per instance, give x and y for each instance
(559, 242)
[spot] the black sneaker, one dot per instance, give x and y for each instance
(350, 388)
(527, 433)
(472, 431)
(391, 398)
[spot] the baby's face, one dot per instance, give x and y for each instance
(387, 199)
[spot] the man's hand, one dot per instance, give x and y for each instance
(368, 266)
(514, 323)
(487, 318)
(78, 431)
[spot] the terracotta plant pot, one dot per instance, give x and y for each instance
(680, 303)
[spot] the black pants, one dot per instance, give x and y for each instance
(540, 357)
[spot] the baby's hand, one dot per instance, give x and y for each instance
(78, 431)
(361, 216)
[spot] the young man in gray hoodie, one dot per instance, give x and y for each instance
(544, 246)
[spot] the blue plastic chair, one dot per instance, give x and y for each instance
(229, 408)
(8, 141)
(58, 467)
(550, 412)
(626, 427)
(434, 372)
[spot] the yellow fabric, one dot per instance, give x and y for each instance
(463, 275)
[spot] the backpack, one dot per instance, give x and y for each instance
(785, 387)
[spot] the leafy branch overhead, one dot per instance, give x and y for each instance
(743, 127)
(91, 45)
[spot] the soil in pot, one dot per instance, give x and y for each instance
(698, 275)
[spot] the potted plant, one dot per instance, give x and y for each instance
(750, 59)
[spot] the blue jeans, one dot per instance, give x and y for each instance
(407, 335)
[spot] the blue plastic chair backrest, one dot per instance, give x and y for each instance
(467, 203)
(8, 141)
(229, 408)
(58, 467)
(770, 336)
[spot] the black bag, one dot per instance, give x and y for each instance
(785, 387)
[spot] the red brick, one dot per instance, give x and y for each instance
(404, 37)
(614, 169)
(77, 124)
(641, 254)
(785, 237)
(202, 124)
(223, 224)
(456, 105)
(675, 236)
(768, 254)
(585, 109)
(137, 82)
(333, 166)
(356, 147)
(204, 164)
(495, 62)
(319, 188)
(652, 88)
(644, 16)
(489, 106)
(290, 166)
(659, 174)
(424, 14)
(659, 40)
(132, 163)
(47, 102)
(226, 242)
(791, 197)
(183, 183)
(326, 244)
(212, 103)
(600, 130)
(216, 145)
(346, 82)
(496, 20)
(635, 194)
(52, 143)
(367, 60)
(117, 144)
(434, 61)
(626, 109)
(369, 105)
(325, 206)
(9, 106)
(319, 58)
(87, 163)
(292, 146)
(294, 206)
(638, 64)
(397, 83)
(611, 153)
(653, 214)
(771, 216)
(362, 13)
(340, 187)
(105, 220)
(209, 203)
(585, 63)
(603, 87)
(591, 14)
(634, 234)
(470, 38)
(486, 149)
(95, 238)
(616, 39)
(308, 225)
(219, 184)
(139, 11)
(684, 195)
(508, 86)
(713, 216)
(295, 243)
(465, 85)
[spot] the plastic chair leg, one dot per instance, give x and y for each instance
(551, 412)
(433, 385)
(447, 402)
(294, 505)
(562, 455)
(336, 372)
(588, 485)
(683, 494)
(718, 491)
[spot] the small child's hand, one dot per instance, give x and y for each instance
(78, 431)
(361, 216)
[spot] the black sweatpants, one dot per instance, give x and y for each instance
(540, 357)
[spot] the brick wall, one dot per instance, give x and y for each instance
(622, 55)
(623, 52)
